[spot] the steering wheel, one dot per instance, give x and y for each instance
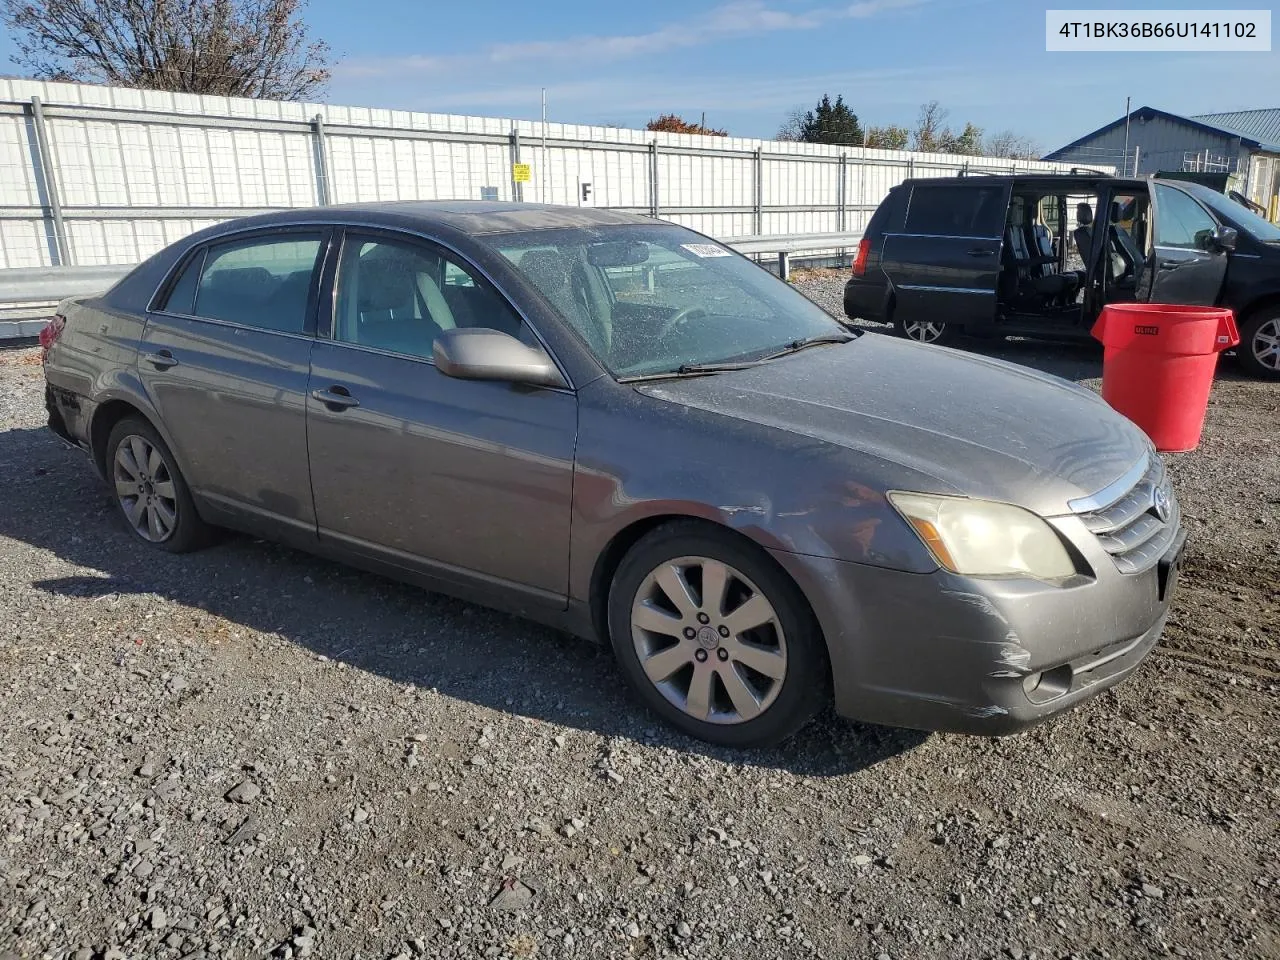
(680, 316)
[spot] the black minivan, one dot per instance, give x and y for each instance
(1039, 255)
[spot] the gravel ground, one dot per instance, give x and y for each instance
(248, 752)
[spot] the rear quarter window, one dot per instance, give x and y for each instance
(956, 211)
(888, 216)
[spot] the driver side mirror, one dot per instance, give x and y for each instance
(478, 353)
(1224, 238)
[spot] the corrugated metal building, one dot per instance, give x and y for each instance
(1245, 144)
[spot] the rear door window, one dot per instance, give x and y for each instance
(951, 210)
(263, 282)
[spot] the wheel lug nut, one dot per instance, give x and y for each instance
(724, 631)
(723, 654)
(703, 618)
(700, 656)
(690, 633)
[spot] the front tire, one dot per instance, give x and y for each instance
(715, 638)
(150, 491)
(1259, 350)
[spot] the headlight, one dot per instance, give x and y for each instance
(981, 538)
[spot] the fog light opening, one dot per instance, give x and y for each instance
(1049, 685)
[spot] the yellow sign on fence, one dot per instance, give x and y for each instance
(521, 172)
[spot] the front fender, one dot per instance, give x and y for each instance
(638, 459)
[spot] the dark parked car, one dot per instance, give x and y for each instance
(625, 429)
(995, 256)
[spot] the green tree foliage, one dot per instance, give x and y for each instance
(888, 137)
(828, 122)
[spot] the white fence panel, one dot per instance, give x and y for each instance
(104, 175)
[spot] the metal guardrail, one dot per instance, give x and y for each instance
(29, 295)
(787, 244)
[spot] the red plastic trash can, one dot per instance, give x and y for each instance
(1158, 366)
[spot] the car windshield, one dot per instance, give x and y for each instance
(1237, 213)
(655, 298)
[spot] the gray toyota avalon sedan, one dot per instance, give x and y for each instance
(622, 428)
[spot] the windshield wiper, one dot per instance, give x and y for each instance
(690, 370)
(704, 369)
(796, 345)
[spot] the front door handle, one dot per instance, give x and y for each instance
(336, 397)
(1171, 264)
(980, 252)
(161, 359)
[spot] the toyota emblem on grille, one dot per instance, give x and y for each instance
(1160, 501)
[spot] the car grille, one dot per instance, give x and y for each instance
(1130, 527)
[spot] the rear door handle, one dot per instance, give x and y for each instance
(336, 397)
(980, 252)
(161, 359)
(1171, 264)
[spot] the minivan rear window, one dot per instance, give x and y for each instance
(956, 211)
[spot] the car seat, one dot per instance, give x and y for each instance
(560, 279)
(397, 305)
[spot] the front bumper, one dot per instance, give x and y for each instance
(993, 657)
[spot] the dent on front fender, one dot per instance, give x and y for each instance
(639, 458)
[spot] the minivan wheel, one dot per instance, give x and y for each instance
(931, 331)
(1259, 350)
(715, 638)
(149, 489)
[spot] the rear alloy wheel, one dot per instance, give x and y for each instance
(150, 491)
(1259, 349)
(716, 638)
(937, 332)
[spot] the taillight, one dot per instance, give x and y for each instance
(50, 333)
(860, 261)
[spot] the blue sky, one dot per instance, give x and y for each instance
(746, 63)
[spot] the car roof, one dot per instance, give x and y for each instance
(473, 217)
(1067, 180)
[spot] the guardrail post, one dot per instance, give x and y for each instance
(758, 218)
(784, 265)
(49, 182)
(320, 151)
(653, 179)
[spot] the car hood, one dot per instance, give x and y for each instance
(972, 425)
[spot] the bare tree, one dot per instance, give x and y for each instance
(931, 128)
(792, 128)
(1014, 146)
(237, 48)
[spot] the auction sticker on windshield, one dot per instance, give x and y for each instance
(706, 250)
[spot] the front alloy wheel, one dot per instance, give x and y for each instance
(709, 640)
(1259, 349)
(715, 637)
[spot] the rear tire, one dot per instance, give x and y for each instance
(715, 638)
(1259, 350)
(936, 332)
(149, 489)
